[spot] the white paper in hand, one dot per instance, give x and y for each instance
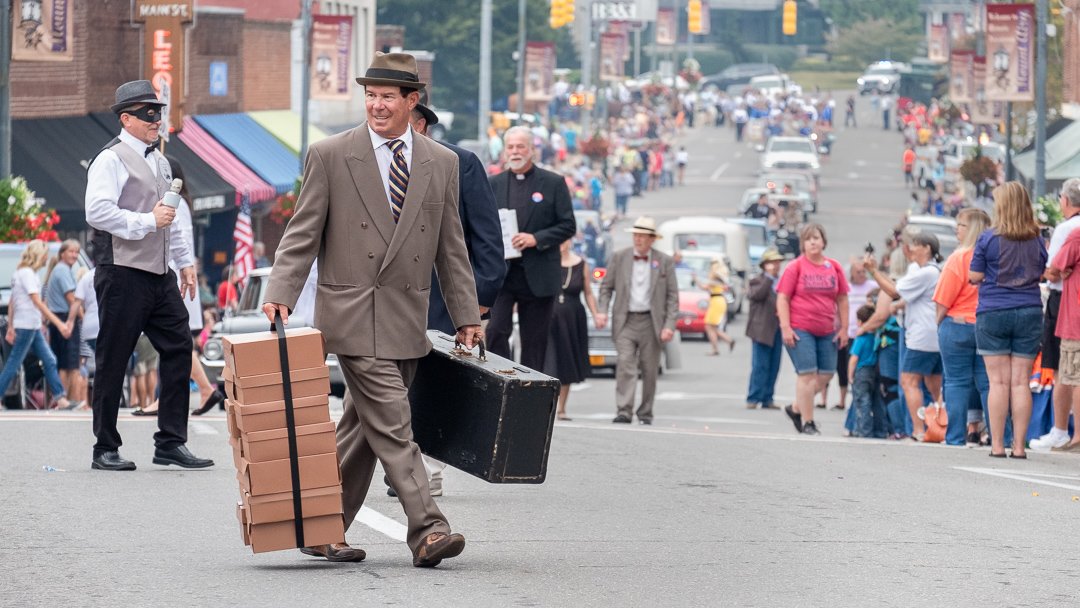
(508, 219)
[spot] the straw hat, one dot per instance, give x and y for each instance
(770, 255)
(644, 225)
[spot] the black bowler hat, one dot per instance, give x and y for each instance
(394, 70)
(133, 93)
(429, 117)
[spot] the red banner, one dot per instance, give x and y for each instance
(611, 57)
(1010, 52)
(938, 49)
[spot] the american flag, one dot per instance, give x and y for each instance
(243, 256)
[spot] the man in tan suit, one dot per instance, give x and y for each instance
(379, 209)
(646, 305)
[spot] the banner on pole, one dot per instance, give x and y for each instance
(957, 26)
(331, 48)
(611, 58)
(164, 59)
(42, 30)
(938, 49)
(539, 71)
(981, 110)
(666, 26)
(1010, 52)
(959, 64)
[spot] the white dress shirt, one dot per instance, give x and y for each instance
(640, 283)
(105, 181)
(385, 156)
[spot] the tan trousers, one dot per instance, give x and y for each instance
(638, 348)
(377, 424)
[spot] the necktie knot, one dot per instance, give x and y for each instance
(396, 146)
(641, 258)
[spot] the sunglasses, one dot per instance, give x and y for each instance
(146, 114)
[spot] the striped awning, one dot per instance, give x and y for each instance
(246, 182)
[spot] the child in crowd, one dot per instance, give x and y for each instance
(867, 409)
(144, 378)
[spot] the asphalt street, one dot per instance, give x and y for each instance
(715, 505)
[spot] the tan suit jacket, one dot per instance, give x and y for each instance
(663, 290)
(375, 276)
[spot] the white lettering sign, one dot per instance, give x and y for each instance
(163, 10)
(207, 203)
(615, 11)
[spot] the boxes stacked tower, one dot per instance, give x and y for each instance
(290, 483)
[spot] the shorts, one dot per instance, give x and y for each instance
(813, 354)
(146, 357)
(1051, 343)
(922, 362)
(1069, 367)
(65, 349)
(1012, 331)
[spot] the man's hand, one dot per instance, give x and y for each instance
(523, 240)
(10, 334)
(666, 334)
(188, 283)
(484, 310)
(270, 308)
(163, 215)
(469, 335)
(600, 321)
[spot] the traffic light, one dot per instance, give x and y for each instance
(562, 13)
(791, 17)
(693, 16)
(577, 99)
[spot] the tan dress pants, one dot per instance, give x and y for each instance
(638, 348)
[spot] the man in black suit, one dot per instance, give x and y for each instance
(545, 219)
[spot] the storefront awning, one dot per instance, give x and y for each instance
(52, 154)
(209, 192)
(232, 170)
(255, 147)
(1062, 156)
(285, 126)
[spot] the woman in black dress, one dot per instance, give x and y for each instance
(568, 343)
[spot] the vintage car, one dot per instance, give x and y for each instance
(249, 318)
(698, 239)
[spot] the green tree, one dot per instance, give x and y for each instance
(870, 41)
(846, 13)
(451, 29)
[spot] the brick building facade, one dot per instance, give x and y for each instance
(1071, 50)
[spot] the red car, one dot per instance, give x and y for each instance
(693, 302)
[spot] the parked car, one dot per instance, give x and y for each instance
(798, 153)
(593, 240)
(693, 302)
(249, 318)
(883, 77)
(738, 75)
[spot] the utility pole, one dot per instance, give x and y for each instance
(1040, 100)
(521, 63)
(305, 80)
(5, 89)
(586, 71)
(485, 75)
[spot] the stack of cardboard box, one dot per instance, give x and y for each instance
(255, 410)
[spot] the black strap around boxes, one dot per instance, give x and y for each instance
(290, 426)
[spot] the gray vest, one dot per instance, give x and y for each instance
(140, 194)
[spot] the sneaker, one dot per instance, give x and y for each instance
(1050, 441)
(751, 405)
(973, 439)
(810, 429)
(796, 418)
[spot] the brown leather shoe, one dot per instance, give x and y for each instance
(437, 547)
(337, 552)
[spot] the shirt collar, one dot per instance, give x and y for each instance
(133, 142)
(378, 140)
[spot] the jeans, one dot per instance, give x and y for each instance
(965, 376)
(620, 203)
(888, 382)
(764, 367)
(866, 404)
(26, 339)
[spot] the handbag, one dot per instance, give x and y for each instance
(937, 421)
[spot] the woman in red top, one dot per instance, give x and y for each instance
(227, 296)
(811, 296)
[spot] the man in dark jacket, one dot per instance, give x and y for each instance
(763, 328)
(545, 218)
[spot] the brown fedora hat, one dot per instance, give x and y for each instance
(394, 70)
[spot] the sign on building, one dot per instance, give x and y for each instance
(42, 30)
(163, 60)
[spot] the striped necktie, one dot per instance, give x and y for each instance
(399, 178)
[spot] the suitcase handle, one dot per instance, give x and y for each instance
(464, 352)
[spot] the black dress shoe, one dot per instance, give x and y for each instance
(337, 552)
(621, 419)
(111, 461)
(645, 421)
(181, 457)
(214, 399)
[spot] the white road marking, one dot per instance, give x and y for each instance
(381, 523)
(679, 396)
(719, 171)
(738, 155)
(201, 428)
(711, 420)
(860, 163)
(1024, 476)
(853, 175)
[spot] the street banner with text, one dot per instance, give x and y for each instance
(539, 71)
(959, 63)
(42, 30)
(331, 47)
(666, 26)
(164, 59)
(1010, 52)
(983, 111)
(938, 49)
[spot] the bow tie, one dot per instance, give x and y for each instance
(150, 149)
(641, 258)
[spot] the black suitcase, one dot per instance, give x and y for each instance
(489, 417)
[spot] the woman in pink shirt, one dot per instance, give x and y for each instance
(811, 295)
